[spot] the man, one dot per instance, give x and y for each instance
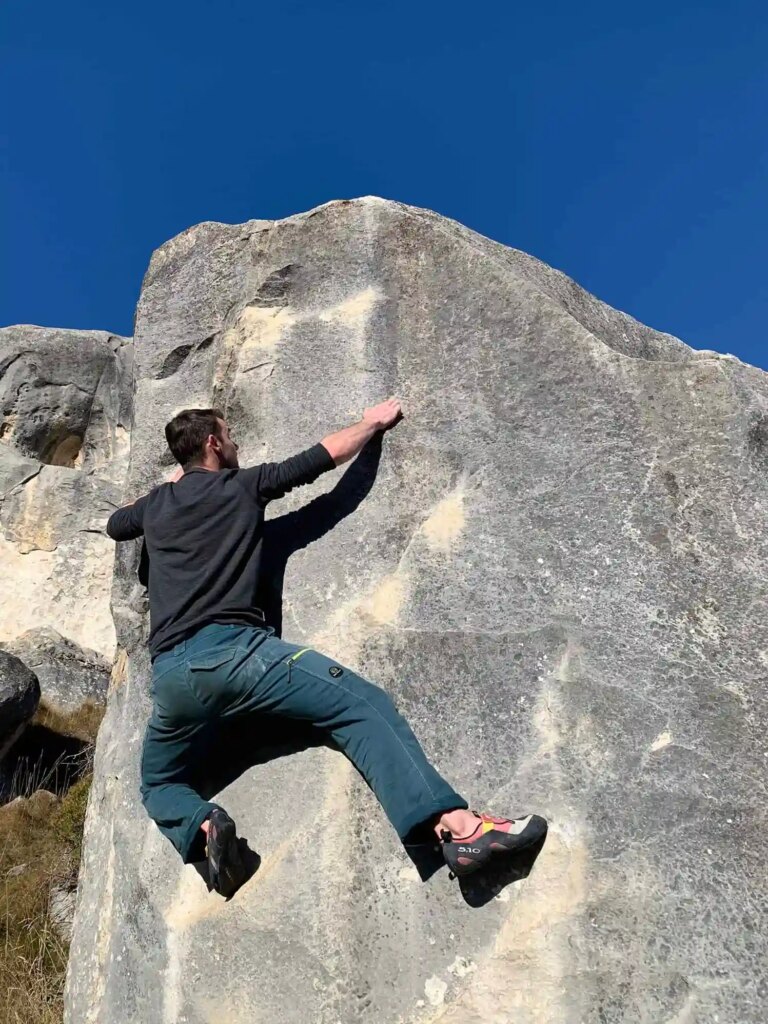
(213, 656)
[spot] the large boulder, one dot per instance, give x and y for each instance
(19, 697)
(559, 572)
(65, 403)
(70, 676)
(65, 397)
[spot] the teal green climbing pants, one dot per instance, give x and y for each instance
(225, 671)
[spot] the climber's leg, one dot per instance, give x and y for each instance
(301, 683)
(167, 793)
(230, 670)
(174, 744)
(284, 679)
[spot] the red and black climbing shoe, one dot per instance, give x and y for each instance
(226, 871)
(493, 838)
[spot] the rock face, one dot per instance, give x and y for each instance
(69, 675)
(558, 572)
(19, 697)
(65, 402)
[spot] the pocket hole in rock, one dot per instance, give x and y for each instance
(62, 451)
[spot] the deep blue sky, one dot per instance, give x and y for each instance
(625, 144)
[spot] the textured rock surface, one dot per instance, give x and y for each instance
(69, 675)
(65, 400)
(19, 697)
(559, 572)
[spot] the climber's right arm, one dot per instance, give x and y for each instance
(345, 444)
(274, 479)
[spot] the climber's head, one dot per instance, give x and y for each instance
(200, 437)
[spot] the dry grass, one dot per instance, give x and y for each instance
(54, 750)
(40, 843)
(83, 724)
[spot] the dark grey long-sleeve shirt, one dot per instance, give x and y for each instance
(204, 540)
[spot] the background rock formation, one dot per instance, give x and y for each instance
(70, 676)
(559, 572)
(19, 697)
(65, 402)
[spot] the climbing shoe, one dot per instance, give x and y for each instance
(493, 838)
(226, 871)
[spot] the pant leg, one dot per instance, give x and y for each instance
(284, 679)
(229, 670)
(174, 746)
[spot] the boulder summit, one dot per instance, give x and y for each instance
(556, 565)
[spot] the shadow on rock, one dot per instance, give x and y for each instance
(232, 747)
(242, 743)
(250, 859)
(424, 851)
(43, 759)
(290, 533)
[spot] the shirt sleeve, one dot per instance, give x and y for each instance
(127, 523)
(274, 479)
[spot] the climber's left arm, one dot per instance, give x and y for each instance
(127, 523)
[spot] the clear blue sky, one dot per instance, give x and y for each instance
(625, 144)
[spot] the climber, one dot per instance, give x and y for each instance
(214, 656)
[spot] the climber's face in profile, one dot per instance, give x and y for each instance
(226, 449)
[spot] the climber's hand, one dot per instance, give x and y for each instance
(385, 414)
(346, 443)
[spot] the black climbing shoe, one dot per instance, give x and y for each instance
(226, 871)
(493, 837)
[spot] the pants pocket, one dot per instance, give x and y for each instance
(208, 675)
(208, 661)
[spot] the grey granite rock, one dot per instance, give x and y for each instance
(19, 697)
(559, 572)
(69, 676)
(65, 403)
(63, 394)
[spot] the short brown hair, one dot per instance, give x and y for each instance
(188, 431)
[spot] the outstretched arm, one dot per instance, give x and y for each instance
(274, 479)
(345, 444)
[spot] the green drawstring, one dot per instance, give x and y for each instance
(298, 654)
